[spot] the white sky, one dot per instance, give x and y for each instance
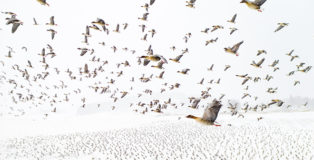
(172, 20)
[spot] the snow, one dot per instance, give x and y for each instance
(124, 135)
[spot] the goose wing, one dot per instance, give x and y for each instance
(259, 2)
(15, 26)
(236, 47)
(52, 21)
(260, 62)
(151, 2)
(211, 112)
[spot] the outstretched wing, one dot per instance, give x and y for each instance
(87, 30)
(211, 112)
(151, 2)
(279, 28)
(15, 26)
(145, 63)
(52, 21)
(261, 62)
(236, 47)
(163, 59)
(259, 2)
(35, 22)
(179, 57)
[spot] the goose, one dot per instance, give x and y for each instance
(153, 32)
(274, 63)
(211, 68)
(155, 58)
(195, 102)
(190, 3)
(144, 38)
(233, 19)
(201, 82)
(227, 67)
(161, 75)
(85, 40)
(177, 59)
(35, 22)
(296, 82)
(259, 52)
(125, 25)
(293, 57)
(159, 65)
(258, 65)
(143, 27)
(233, 29)
(281, 25)
(211, 41)
(290, 53)
(83, 51)
(100, 22)
(256, 5)
(205, 30)
(210, 114)
(15, 22)
(215, 27)
(184, 71)
(234, 49)
(117, 29)
(87, 33)
(43, 2)
(53, 32)
(144, 17)
(52, 21)
(94, 27)
(146, 6)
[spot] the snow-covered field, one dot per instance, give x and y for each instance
(114, 135)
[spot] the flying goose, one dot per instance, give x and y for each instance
(52, 21)
(100, 21)
(205, 30)
(259, 52)
(159, 65)
(215, 27)
(234, 49)
(53, 32)
(256, 4)
(233, 29)
(155, 58)
(177, 59)
(146, 6)
(161, 75)
(195, 102)
(43, 2)
(15, 22)
(258, 65)
(210, 114)
(117, 29)
(281, 25)
(153, 32)
(35, 22)
(87, 33)
(233, 19)
(184, 71)
(211, 41)
(290, 53)
(190, 3)
(144, 17)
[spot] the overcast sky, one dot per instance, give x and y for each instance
(171, 20)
